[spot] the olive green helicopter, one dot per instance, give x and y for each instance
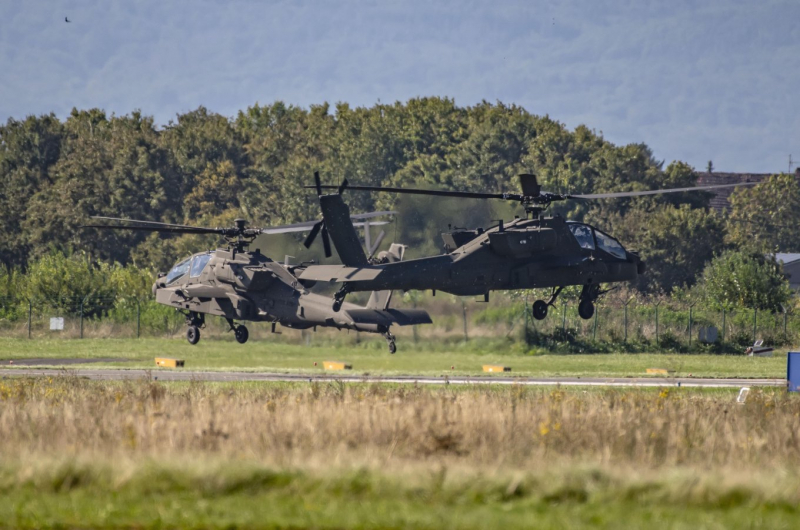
(528, 252)
(238, 284)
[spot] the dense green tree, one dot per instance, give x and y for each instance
(204, 168)
(62, 281)
(742, 279)
(493, 151)
(28, 151)
(765, 217)
(112, 167)
(205, 146)
(676, 243)
(285, 145)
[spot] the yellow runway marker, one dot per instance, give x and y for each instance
(336, 365)
(496, 368)
(163, 362)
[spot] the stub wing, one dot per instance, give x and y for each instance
(387, 317)
(339, 273)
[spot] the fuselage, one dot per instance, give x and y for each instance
(523, 254)
(250, 286)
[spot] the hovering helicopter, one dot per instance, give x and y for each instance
(237, 284)
(530, 252)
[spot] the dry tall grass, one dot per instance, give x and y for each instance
(516, 428)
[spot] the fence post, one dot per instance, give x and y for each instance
(138, 318)
(564, 320)
(526, 314)
(657, 304)
(82, 301)
(626, 320)
(413, 328)
(723, 325)
(691, 310)
(464, 312)
(784, 324)
(30, 313)
(755, 321)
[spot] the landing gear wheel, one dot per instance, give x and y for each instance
(390, 341)
(539, 309)
(193, 334)
(338, 297)
(586, 309)
(241, 334)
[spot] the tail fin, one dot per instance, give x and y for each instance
(381, 299)
(340, 228)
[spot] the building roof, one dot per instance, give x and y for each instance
(719, 201)
(787, 258)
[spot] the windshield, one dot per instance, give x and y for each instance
(610, 245)
(199, 264)
(583, 234)
(178, 271)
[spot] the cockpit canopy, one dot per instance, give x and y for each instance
(591, 238)
(193, 265)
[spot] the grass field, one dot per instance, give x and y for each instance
(143, 454)
(78, 453)
(372, 357)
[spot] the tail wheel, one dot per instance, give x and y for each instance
(241, 334)
(193, 334)
(586, 309)
(539, 309)
(392, 347)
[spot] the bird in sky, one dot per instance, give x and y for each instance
(66, 19)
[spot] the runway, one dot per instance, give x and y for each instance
(160, 374)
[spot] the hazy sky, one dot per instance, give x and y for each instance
(716, 79)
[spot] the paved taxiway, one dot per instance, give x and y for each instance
(111, 374)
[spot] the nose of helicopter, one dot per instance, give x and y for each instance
(634, 257)
(159, 280)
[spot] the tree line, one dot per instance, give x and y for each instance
(205, 168)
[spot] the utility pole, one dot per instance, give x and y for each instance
(791, 163)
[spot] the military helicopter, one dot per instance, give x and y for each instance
(530, 252)
(237, 284)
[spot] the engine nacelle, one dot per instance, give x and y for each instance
(520, 244)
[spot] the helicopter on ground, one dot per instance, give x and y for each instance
(530, 252)
(237, 284)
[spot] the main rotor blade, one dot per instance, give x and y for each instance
(376, 223)
(326, 242)
(440, 193)
(657, 192)
(370, 215)
(172, 230)
(306, 227)
(153, 223)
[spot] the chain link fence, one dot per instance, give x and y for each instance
(632, 326)
(660, 326)
(84, 317)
